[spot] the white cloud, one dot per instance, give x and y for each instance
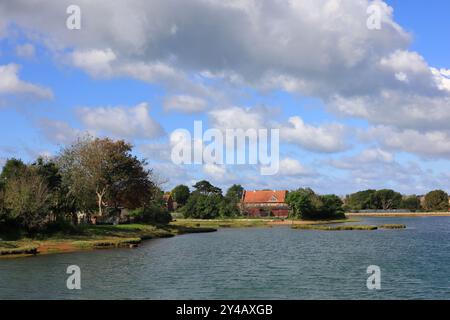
(432, 144)
(292, 167)
(25, 50)
(10, 83)
(325, 138)
(185, 103)
(95, 62)
(241, 118)
(122, 122)
(215, 171)
(58, 131)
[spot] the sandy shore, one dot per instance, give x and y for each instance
(398, 214)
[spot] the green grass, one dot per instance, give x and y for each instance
(12, 248)
(392, 226)
(95, 237)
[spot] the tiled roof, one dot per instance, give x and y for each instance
(271, 196)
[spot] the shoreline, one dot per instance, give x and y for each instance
(398, 214)
(130, 236)
(96, 237)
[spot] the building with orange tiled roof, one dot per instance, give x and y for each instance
(265, 203)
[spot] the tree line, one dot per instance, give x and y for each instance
(92, 176)
(388, 199)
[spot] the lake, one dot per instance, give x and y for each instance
(252, 263)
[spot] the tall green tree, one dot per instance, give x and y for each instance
(205, 187)
(27, 199)
(387, 199)
(180, 194)
(105, 173)
(436, 200)
(231, 203)
(361, 200)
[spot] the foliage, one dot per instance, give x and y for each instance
(206, 188)
(230, 204)
(103, 173)
(436, 200)
(151, 214)
(411, 203)
(180, 194)
(387, 199)
(206, 202)
(361, 200)
(27, 199)
(306, 204)
(384, 199)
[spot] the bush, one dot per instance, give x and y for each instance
(151, 214)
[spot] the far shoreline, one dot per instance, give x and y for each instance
(397, 214)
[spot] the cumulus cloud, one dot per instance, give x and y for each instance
(241, 118)
(325, 138)
(10, 83)
(185, 103)
(121, 122)
(292, 167)
(430, 144)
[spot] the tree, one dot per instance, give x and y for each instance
(301, 203)
(235, 192)
(104, 172)
(306, 204)
(361, 200)
(12, 168)
(436, 200)
(204, 203)
(180, 194)
(27, 199)
(411, 203)
(387, 199)
(231, 201)
(204, 187)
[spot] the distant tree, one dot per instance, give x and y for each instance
(410, 203)
(306, 204)
(301, 203)
(27, 199)
(436, 200)
(235, 192)
(204, 203)
(180, 194)
(231, 201)
(361, 200)
(331, 207)
(205, 187)
(387, 199)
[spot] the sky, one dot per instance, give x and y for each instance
(356, 107)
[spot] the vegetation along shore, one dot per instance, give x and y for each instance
(95, 193)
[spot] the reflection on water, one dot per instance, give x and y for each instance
(259, 263)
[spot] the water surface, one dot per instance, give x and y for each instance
(251, 263)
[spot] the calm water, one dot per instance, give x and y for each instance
(267, 263)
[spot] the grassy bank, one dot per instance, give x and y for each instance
(94, 237)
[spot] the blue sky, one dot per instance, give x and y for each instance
(356, 108)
